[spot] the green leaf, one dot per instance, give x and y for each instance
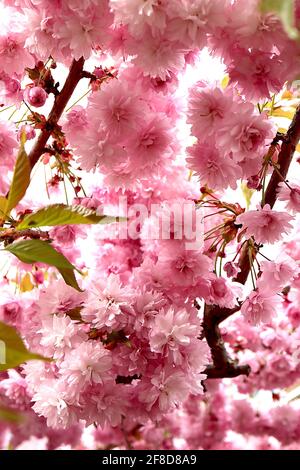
(38, 251)
(3, 208)
(20, 181)
(9, 415)
(61, 214)
(69, 277)
(285, 10)
(13, 352)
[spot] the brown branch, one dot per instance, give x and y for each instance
(61, 100)
(10, 235)
(244, 265)
(223, 365)
(285, 157)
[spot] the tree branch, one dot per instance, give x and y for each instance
(10, 235)
(285, 157)
(61, 100)
(223, 365)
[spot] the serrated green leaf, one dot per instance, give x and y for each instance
(38, 251)
(21, 179)
(13, 352)
(61, 214)
(69, 278)
(285, 10)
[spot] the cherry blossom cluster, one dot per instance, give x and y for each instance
(220, 120)
(128, 355)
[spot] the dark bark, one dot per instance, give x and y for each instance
(61, 101)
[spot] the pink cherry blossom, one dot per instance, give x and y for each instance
(40, 39)
(277, 274)
(291, 195)
(263, 68)
(172, 330)
(208, 109)
(75, 122)
(182, 267)
(214, 169)
(157, 56)
(108, 303)
(50, 402)
(60, 334)
(152, 142)
(67, 234)
(8, 144)
(83, 28)
(139, 13)
(60, 300)
(264, 224)
(13, 55)
(246, 134)
(223, 293)
(10, 89)
(260, 307)
(231, 269)
(192, 20)
(87, 364)
(118, 108)
(167, 389)
(28, 130)
(15, 387)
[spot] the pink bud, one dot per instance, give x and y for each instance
(219, 287)
(231, 269)
(36, 96)
(46, 158)
(99, 72)
(253, 182)
(12, 86)
(29, 131)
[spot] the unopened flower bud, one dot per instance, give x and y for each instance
(36, 96)
(253, 182)
(99, 72)
(46, 158)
